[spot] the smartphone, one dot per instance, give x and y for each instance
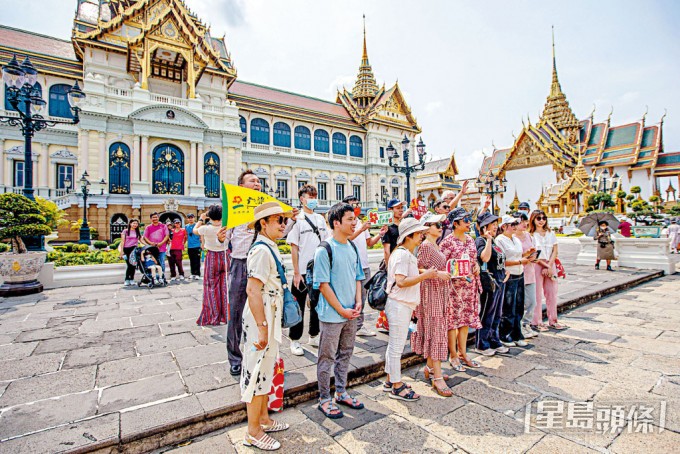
(303, 286)
(537, 253)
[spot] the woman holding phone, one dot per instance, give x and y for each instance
(529, 252)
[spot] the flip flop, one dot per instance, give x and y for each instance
(559, 327)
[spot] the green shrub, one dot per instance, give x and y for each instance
(89, 258)
(100, 244)
(58, 248)
(20, 216)
(81, 248)
(68, 247)
(116, 242)
(284, 249)
(4, 247)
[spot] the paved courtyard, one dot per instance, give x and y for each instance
(102, 366)
(621, 354)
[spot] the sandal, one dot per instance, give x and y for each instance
(265, 442)
(408, 397)
(276, 427)
(445, 391)
(387, 386)
(542, 328)
(558, 327)
(427, 371)
(470, 363)
(457, 367)
(348, 401)
(332, 411)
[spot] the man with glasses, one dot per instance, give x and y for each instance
(363, 240)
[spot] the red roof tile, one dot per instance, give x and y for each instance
(34, 42)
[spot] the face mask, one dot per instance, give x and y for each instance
(357, 211)
(312, 204)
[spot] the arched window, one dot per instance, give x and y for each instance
(321, 141)
(339, 144)
(259, 131)
(281, 135)
(395, 181)
(21, 105)
(244, 129)
(119, 168)
(168, 170)
(211, 172)
(59, 106)
(356, 147)
(303, 139)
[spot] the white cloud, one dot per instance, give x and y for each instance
(339, 82)
(433, 106)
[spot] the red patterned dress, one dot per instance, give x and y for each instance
(430, 338)
(463, 298)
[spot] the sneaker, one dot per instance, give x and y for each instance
(509, 344)
(128, 283)
(502, 349)
(296, 349)
(487, 352)
(193, 277)
(528, 333)
(314, 341)
(522, 343)
(173, 279)
(181, 278)
(365, 332)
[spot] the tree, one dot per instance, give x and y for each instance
(643, 212)
(600, 200)
(621, 195)
(654, 200)
(675, 210)
(636, 190)
(54, 217)
(20, 216)
(630, 197)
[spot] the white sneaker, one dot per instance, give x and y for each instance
(509, 344)
(181, 278)
(487, 352)
(127, 283)
(296, 349)
(528, 333)
(314, 341)
(502, 349)
(365, 332)
(522, 343)
(173, 279)
(193, 277)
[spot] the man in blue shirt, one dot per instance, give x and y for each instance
(193, 247)
(338, 308)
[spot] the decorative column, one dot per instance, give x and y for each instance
(199, 164)
(2, 163)
(84, 151)
(134, 161)
(140, 165)
(189, 168)
(44, 166)
(144, 155)
(194, 163)
(102, 156)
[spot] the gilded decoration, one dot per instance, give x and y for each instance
(527, 155)
(168, 163)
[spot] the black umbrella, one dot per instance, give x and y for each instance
(590, 222)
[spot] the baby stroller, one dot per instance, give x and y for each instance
(137, 259)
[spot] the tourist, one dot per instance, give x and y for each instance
(193, 247)
(262, 324)
(339, 307)
(529, 252)
(545, 272)
(525, 209)
(510, 329)
(177, 244)
(441, 207)
(130, 238)
(624, 227)
(363, 240)
(403, 288)
(450, 200)
(674, 235)
(605, 245)
(157, 235)
(215, 302)
(463, 298)
(153, 267)
(303, 239)
(430, 339)
(389, 241)
(492, 264)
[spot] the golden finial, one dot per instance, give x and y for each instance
(609, 117)
(592, 113)
(365, 55)
(664, 115)
(645, 114)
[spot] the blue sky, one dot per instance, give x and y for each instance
(470, 70)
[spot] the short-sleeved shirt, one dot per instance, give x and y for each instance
(625, 228)
(512, 248)
(362, 247)
(391, 236)
(156, 234)
(194, 240)
(306, 240)
(545, 244)
(406, 264)
(496, 264)
(178, 238)
(209, 234)
(261, 265)
(342, 278)
(527, 243)
(131, 239)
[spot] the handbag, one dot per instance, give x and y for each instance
(275, 396)
(291, 314)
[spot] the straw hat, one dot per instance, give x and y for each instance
(409, 226)
(268, 209)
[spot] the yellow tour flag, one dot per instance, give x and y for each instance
(238, 204)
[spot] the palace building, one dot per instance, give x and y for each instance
(554, 163)
(166, 119)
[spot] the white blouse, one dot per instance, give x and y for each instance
(545, 244)
(512, 248)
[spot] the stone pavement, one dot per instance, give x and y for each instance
(106, 366)
(623, 351)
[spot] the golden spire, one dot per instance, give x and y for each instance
(365, 87)
(557, 109)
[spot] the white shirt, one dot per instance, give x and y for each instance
(512, 248)
(406, 264)
(545, 244)
(362, 247)
(240, 237)
(306, 240)
(209, 234)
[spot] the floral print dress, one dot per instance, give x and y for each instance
(463, 298)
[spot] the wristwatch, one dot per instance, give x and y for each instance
(264, 323)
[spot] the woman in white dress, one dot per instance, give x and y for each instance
(674, 235)
(262, 325)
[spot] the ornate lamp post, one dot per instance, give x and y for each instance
(407, 169)
(102, 186)
(25, 98)
(599, 183)
(491, 185)
(85, 191)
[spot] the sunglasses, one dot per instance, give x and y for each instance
(446, 207)
(467, 219)
(436, 224)
(541, 218)
(281, 220)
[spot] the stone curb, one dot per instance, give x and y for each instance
(178, 431)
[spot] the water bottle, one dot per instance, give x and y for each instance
(412, 327)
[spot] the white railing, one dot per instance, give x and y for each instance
(352, 158)
(124, 92)
(209, 108)
(304, 152)
(259, 146)
(282, 149)
(320, 155)
(170, 100)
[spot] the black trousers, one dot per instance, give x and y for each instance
(295, 332)
(130, 270)
(195, 260)
(510, 329)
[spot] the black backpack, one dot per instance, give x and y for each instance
(311, 291)
(377, 290)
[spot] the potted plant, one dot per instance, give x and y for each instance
(19, 269)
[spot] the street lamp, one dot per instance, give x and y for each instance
(491, 184)
(102, 185)
(85, 191)
(67, 184)
(24, 96)
(406, 169)
(381, 198)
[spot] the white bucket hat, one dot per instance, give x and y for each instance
(507, 219)
(409, 226)
(432, 218)
(268, 209)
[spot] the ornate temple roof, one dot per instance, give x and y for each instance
(446, 165)
(365, 85)
(557, 110)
